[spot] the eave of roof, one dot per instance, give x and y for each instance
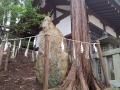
(108, 10)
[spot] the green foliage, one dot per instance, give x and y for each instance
(20, 14)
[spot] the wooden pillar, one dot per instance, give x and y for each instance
(80, 33)
(102, 64)
(1, 51)
(7, 58)
(46, 62)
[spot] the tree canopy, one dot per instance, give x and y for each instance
(19, 15)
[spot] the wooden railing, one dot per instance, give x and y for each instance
(112, 64)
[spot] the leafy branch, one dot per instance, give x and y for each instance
(19, 15)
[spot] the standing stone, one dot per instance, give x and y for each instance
(58, 56)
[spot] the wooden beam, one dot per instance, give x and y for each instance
(103, 8)
(106, 11)
(57, 20)
(115, 20)
(95, 2)
(69, 36)
(52, 12)
(102, 64)
(91, 12)
(61, 10)
(59, 2)
(100, 5)
(104, 27)
(112, 2)
(111, 16)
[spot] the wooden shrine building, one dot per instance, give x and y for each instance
(102, 16)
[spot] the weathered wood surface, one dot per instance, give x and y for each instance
(58, 58)
(87, 80)
(7, 58)
(46, 62)
(102, 64)
(80, 33)
(1, 51)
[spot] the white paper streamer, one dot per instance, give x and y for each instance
(82, 49)
(62, 45)
(6, 46)
(9, 44)
(94, 46)
(34, 43)
(13, 50)
(38, 37)
(26, 51)
(19, 44)
(87, 51)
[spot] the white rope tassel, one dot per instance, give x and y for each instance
(13, 50)
(26, 51)
(34, 43)
(94, 47)
(6, 46)
(62, 45)
(82, 49)
(19, 44)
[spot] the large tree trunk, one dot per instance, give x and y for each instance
(82, 75)
(80, 33)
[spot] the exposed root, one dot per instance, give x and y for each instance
(70, 83)
(83, 84)
(96, 85)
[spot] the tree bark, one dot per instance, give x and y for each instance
(80, 33)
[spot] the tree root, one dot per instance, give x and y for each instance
(78, 82)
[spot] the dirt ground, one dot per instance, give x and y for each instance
(20, 74)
